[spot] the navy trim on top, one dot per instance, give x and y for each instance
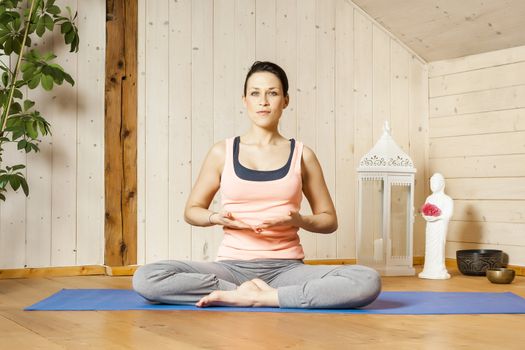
(259, 175)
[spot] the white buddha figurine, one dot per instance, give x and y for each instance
(436, 231)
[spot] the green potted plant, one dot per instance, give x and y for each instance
(22, 22)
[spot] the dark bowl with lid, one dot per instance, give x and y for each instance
(475, 262)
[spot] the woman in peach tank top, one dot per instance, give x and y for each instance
(261, 176)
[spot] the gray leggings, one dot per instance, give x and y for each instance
(298, 285)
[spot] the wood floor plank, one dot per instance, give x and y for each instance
(14, 336)
(228, 330)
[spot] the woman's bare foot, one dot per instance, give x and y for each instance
(251, 293)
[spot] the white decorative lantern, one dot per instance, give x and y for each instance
(385, 209)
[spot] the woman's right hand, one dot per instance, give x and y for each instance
(226, 219)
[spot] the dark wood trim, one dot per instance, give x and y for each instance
(121, 133)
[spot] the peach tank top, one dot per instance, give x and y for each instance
(254, 196)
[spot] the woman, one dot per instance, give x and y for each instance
(260, 260)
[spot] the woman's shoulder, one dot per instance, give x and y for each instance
(218, 149)
(308, 154)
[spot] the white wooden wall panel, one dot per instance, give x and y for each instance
(418, 144)
(474, 62)
(306, 98)
(157, 129)
(13, 213)
(224, 84)
(244, 55)
(478, 145)
(363, 95)
(499, 188)
(478, 123)
(265, 30)
(477, 133)
(478, 101)
(287, 54)
(347, 75)
(202, 110)
(90, 134)
(399, 104)
(381, 81)
(325, 111)
(64, 181)
(39, 174)
(489, 210)
(61, 222)
(481, 166)
(180, 95)
(345, 177)
(477, 80)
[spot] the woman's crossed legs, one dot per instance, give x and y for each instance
(293, 285)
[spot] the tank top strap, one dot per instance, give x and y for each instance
(228, 159)
(298, 156)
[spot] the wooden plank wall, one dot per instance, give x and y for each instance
(477, 140)
(61, 223)
(121, 133)
(347, 75)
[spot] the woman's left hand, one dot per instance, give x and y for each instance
(292, 219)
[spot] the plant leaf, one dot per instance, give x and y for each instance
(18, 167)
(30, 130)
(17, 94)
(8, 46)
(68, 78)
(25, 188)
(66, 27)
(53, 9)
(47, 82)
(40, 27)
(21, 144)
(28, 104)
(33, 83)
(14, 182)
(69, 37)
(48, 22)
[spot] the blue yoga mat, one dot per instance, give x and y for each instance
(393, 303)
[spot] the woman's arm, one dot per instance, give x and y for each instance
(196, 211)
(208, 182)
(324, 217)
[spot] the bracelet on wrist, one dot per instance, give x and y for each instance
(209, 217)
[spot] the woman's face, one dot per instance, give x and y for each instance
(264, 99)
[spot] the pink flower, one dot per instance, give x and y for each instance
(429, 209)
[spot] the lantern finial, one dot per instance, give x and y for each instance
(386, 127)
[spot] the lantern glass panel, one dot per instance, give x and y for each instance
(400, 220)
(371, 244)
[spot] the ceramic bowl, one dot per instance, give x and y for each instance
(501, 275)
(475, 262)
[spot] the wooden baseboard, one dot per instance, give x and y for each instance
(121, 270)
(89, 270)
(418, 260)
(129, 270)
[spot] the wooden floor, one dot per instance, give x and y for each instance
(216, 330)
